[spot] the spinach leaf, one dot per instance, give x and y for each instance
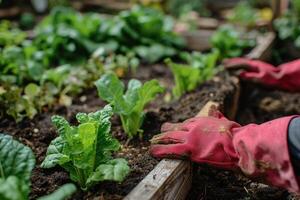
(16, 164)
(128, 105)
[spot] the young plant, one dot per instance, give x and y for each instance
(199, 68)
(128, 105)
(288, 25)
(16, 164)
(85, 150)
(244, 14)
(229, 43)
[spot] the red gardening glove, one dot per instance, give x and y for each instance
(285, 76)
(260, 151)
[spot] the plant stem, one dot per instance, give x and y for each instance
(124, 125)
(81, 176)
(1, 171)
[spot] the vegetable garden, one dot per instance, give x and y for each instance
(84, 90)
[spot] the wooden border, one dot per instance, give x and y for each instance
(9, 12)
(116, 5)
(171, 179)
(199, 40)
(262, 51)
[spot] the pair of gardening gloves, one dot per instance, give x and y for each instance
(260, 151)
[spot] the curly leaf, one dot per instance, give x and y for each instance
(55, 154)
(114, 170)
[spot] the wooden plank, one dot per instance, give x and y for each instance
(279, 7)
(207, 23)
(9, 12)
(198, 40)
(262, 51)
(170, 179)
(109, 4)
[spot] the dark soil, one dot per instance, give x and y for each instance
(257, 105)
(39, 132)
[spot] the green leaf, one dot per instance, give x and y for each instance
(130, 105)
(109, 87)
(16, 159)
(227, 40)
(12, 188)
(186, 77)
(115, 170)
(132, 94)
(16, 164)
(87, 134)
(32, 90)
(148, 92)
(55, 154)
(62, 193)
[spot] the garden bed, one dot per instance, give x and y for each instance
(39, 132)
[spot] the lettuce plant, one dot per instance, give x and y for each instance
(128, 105)
(16, 164)
(85, 150)
(199, 68)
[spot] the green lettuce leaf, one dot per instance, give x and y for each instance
(129, 105)
(82, 149)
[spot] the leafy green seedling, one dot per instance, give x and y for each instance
(128, 105)
(229, 43)
(199, 68)
(85, 150)
(16, 164)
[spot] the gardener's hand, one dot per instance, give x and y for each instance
(260, 151)
(202, 139)
(285, 76)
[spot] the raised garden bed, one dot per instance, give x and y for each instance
(149, 178)
(170, 179)
(37, 135)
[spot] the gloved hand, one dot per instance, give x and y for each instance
(258, 150)
(285, 76)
